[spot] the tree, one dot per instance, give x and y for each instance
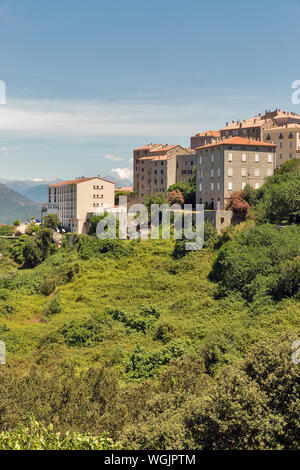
(278, 200)
(51, 221)
(37, 249)
(175, 197)
(16, 223)
(239, 206)
(188, 190)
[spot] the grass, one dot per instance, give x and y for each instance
(178, 289)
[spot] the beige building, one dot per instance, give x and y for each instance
(287, 139)
(184, 167)
(258, 126)
(205, 138)
(228, 166)
(155, 168)
(76, 201)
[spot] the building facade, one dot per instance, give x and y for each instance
(228, 166)
(287, 139)
(184, 167)
(257, 127)
(205, 138)
(76, 201)
(155, 168)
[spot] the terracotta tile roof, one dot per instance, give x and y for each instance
(239, 141)
(129, 189)
(163, 149)
(209, 134)
(79, 180)
(149, 146)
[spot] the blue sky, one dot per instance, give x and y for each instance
(89, 81)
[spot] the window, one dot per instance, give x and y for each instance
(243, 184)
(219, 171)
(281, 145)
(291, 155)
(212, 158)
(270, 158)
(256, 185)
(218, 186)
(230, 157)
(230, 171)
(212, 173)
(200, 187)
(200, 160)
(201, 174)
(257, 157)
(212, 186)
(244, 171)
(280, 156)
(269, 172)
(229, 185)
(291, 145)
(244, 158)
(256, 171)
(290, 135)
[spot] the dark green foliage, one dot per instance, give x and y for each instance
(37, 249)
(164, 332)
(83, 332)
(279, 198)
(54, 305)
(260, 261)
(144, 364)
(51, 221)
(47, 286)
(140, 322)
(92, 247)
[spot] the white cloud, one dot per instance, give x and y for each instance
(5, 151)
(38, 180)
(112, 158)
(123, 173)
(87, 119)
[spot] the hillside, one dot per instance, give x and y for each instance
(156, 347)
(16, 206)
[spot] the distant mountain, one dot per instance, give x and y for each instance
(14, 206)
(37, 193)
(34, 190)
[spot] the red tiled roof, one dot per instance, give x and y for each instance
(239, 141)
(80, 180)
(209, 134)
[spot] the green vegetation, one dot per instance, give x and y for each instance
(149, 344)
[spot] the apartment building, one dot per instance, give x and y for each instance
(76, 201)
(155, 168)
(205, 138)
(287, 139)
(184, 166)
(228, 166)
(257, 127)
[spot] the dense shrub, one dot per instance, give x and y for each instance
(92, 247)
(40, 437)
(259, 261)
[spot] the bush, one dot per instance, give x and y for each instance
(258, 261)
(54, 306)
(90, 247)
(47, 286)
(40, 437)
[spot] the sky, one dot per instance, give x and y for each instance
(88, 81)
